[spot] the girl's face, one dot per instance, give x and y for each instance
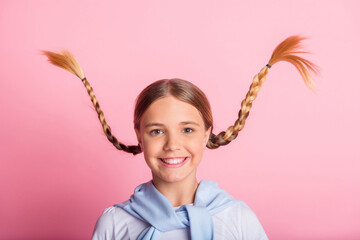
(173, 137)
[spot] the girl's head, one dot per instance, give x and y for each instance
(173, 121)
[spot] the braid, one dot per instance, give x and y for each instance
(66, 61)
(285, 51)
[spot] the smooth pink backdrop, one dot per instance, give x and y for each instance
(296, 163)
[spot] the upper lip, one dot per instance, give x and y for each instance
(171, 157)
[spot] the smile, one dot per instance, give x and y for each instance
(173, 162)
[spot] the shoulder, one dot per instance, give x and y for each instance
(240, 221)
(111, 216)
(116, 223)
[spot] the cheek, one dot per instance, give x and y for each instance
(151, 146)
(196, 145)
(150, 152)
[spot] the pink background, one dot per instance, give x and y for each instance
(296, 163)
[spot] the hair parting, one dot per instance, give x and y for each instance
(287, 50)
(65, 60)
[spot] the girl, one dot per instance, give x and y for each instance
(173, 124)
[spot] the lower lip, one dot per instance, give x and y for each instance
(175, 165)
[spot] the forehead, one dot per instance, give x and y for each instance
(170, 110)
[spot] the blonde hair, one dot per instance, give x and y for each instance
(188, 92)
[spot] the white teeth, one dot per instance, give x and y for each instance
(173, 160)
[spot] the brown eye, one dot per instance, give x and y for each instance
(156, 132)
(188, 130)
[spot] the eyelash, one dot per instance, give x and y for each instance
(156, 131)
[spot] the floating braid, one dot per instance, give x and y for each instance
(65, 60)
(285, 51)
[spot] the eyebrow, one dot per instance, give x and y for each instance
(181, 123)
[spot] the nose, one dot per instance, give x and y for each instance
(172, 142)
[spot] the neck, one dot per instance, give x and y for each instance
(178, 193)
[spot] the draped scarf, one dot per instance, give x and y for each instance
(149, 205)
